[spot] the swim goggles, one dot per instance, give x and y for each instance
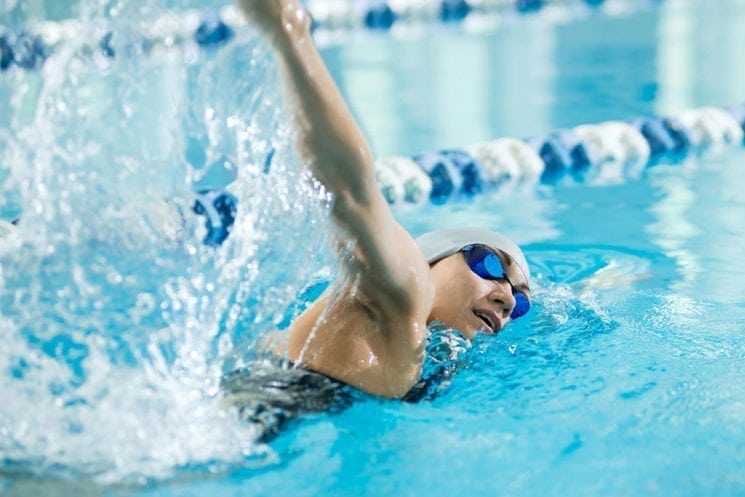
(487, 264)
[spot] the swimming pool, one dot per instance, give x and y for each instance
(626, 379)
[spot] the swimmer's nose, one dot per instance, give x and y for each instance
(503, 298)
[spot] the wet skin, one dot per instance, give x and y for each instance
(370, 328)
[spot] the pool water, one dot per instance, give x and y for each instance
(626, 379)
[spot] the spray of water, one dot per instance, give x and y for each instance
(117, 322)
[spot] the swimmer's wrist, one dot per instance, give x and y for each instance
(294, 28)
(282, 23)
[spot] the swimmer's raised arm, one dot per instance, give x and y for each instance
(331, 143)
(328, 136)
(369, 330)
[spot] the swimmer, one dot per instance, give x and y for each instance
(370, 329)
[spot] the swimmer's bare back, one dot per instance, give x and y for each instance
(370, 331)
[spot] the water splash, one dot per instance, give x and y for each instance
(118, 322)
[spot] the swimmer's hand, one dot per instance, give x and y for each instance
(615, 274)
(276, 19)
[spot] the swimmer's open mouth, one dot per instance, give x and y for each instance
(491, 325)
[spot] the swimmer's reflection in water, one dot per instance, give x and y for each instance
(373, 336)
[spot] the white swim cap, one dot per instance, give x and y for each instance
(439, 244)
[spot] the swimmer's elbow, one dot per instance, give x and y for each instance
(344, 166)
(354, 208)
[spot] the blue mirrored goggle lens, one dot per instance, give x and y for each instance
(522, 305)
(485, 263)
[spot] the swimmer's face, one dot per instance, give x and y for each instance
(469, 303)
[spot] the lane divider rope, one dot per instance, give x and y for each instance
(603, 153)
(331, 15)
(27, 47)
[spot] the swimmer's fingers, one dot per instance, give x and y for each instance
(275, 17)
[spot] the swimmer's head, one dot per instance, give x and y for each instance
(483, 288)
(439, 244)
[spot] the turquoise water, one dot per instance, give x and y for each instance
(627, 378)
